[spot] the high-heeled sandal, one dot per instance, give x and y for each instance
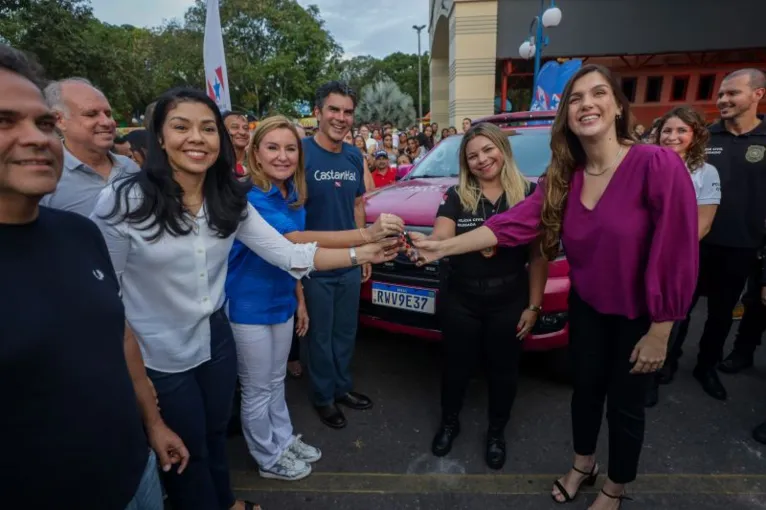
(622, 497)
(588, 481)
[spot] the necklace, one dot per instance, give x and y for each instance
(606, 169)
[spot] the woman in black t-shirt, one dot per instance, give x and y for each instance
(489, 302)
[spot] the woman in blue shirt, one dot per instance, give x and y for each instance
(262, 299)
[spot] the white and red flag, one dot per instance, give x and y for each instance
(216, 77)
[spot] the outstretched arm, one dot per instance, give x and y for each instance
(517, 226)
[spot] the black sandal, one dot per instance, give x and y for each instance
(622, 497)
(249, 505)
(589, 481)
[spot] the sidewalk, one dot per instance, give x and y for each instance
(698, 452)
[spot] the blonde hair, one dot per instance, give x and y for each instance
(254, 169)
(514, 184)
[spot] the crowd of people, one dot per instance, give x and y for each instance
(388, 151)
(181, 260)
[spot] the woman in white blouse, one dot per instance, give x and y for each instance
(169, 229)
(683, 130)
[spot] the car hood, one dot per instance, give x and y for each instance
(413, 200)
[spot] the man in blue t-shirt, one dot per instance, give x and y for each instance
(335, 177)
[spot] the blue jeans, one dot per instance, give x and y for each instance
(196, 405)
(149, 493)
(333, 307)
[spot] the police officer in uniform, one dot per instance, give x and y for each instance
(489, 302)
(729, 253)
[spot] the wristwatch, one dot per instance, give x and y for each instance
(535, 308)
(352, 254)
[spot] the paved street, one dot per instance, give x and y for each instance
(698, 452)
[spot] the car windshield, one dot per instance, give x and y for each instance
(531, 150)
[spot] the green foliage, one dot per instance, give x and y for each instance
(397, 67)
(53, 30)
(277, 53)
(384, 102)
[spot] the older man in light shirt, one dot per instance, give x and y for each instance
(84, 119)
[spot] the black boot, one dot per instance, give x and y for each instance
(448, 431)
(495, 455)
(736, 362)
(710, 382)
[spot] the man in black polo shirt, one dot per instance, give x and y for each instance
(729, 253)
(73, 389)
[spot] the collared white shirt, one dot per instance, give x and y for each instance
(171, 286)
(80, 185)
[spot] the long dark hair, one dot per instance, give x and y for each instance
(161, 207)
(567, 154)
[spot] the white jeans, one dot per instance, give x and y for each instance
(262, 352)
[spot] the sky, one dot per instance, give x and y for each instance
(361, 27)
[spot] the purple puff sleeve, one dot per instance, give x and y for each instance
(671, 272)
(520, 224)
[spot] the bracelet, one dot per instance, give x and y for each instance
(535, 308)
(364, 236)
(352, 254)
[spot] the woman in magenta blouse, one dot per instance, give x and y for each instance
(627, 217)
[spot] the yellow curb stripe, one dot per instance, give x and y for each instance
(504, 484)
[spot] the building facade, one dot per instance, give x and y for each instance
(665, 52)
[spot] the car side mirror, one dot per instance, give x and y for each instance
(402, 171)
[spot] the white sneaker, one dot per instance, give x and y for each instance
(303, 451)
(287, 468)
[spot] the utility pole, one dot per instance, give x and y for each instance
(420, 78)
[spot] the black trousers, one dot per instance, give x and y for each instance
(295, 348)
(753, 323)
(600, 346)
(482, 327)
(723, 274)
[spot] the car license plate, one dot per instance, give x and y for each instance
(404, 298)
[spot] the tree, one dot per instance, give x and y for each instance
(385, 102)
(175, 58)
(401, 68)
(52, 30)
(358, 71)
(277, 52)
(121, 66)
